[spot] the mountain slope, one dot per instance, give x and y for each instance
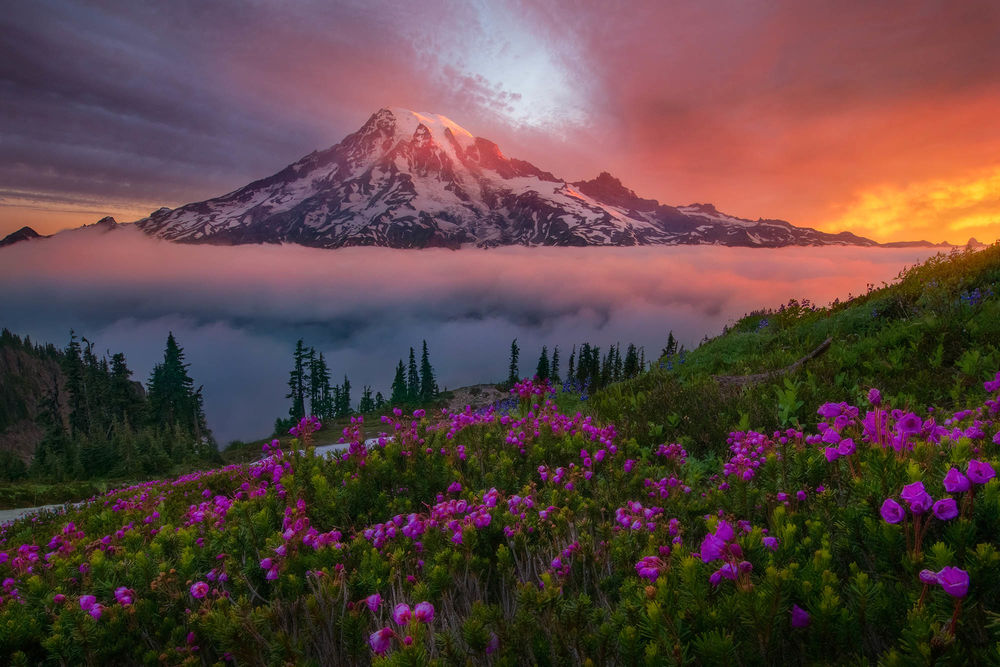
(415, 180)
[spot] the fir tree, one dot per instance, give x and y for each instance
(399, 390)
(554, 371)
(542, 369)
(412, 379)
(172, 398)
(319, 384)
(513, 374)
(379, 400)
(428, 385)
(571, 373)
(344, 403)
(671, 348)
(367, 403)
(297, 383)
(631, 366)
(618, 365)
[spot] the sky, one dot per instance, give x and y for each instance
(237, 311)
(874, 117)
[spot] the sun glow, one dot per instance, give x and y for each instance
(930, 209)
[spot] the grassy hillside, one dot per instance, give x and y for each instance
(806, 519)
(930, 339)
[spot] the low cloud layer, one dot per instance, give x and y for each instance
(237, 311)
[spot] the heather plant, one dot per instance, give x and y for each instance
(535, 536)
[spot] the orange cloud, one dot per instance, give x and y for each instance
(937, 210)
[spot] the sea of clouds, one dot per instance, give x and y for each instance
(237, 311)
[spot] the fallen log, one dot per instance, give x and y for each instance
(744, 380)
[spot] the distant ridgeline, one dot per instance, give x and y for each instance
(69, 414)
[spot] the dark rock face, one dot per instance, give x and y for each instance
(413, 180)
(23, 234)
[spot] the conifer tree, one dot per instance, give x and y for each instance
(412, 379)
(428, 385)
(367, 403)
(571, 373)
(513, 374)
(671, 348)
(172, 397)
(631, 366)
(399, 389)
(618, 365)
(297, 383)
(542, 368)
(554, 370)
(379, 400)
(325, 394)
(344, 404)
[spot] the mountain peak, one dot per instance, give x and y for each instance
(417, 179)
(23, 234)
(609, 190)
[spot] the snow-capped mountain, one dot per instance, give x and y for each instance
(415, 180)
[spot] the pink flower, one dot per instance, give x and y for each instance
(771, 543)
(373, 601)
(800, 617)
(954, 581)
(87, 601)
(424, 612)
(874, 396)
(199, 589)
(95, 611)
(381, 640)
(928, 577)
(956, 482)
(401, 613)
(58, 598)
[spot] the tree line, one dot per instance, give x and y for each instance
(311, 393)
(99, 422)
(587, 366)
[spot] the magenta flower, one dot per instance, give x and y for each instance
(946, 509)
(891, 511)
(711, 548)
(919, 500)
(928, 577)
(846, 447)
(771, 543)
(58, 598)
(381, 640)
(373, 601)
(831, 454)
(954, 581)
(909, 424)
(401, 613)
(199, 589)
(874, 397)
(424, 612)
(649, 568)
(123, 595)
(956, 482)
(980, 472)
(87, 601)
(800, 617)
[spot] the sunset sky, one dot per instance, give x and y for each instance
(876, 117)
